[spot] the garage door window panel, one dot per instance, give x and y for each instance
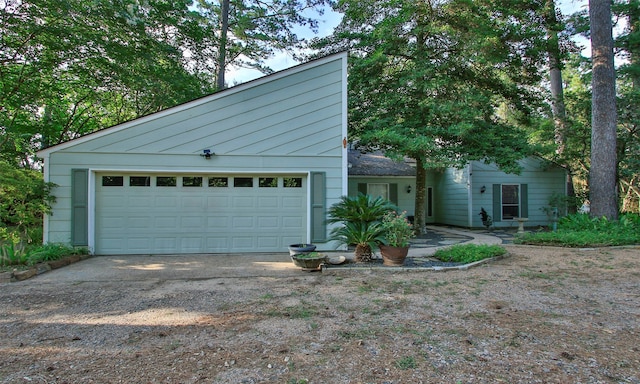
(166, 181)
(292, 182)
(139, 181)
(268, 182)
(112, 181)
(192, 181)
(218, 182)
(243, 182)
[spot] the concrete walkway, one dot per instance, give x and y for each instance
(212, 266)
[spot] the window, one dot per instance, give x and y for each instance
(243, 182)
(378, 190)
(166, 181)
(510, 201)
(292, 182)
(191, 181)
(139, 181)
(268, 182)
(112, 181)
(218, 182)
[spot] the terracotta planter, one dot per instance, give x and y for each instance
(393, 256)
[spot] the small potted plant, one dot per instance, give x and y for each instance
(309, 261)
(397, 231)
(301, 249)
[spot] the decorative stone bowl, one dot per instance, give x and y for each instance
(309, 262)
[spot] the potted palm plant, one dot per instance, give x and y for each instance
(361, 217)
(397, 232)
(365, 236)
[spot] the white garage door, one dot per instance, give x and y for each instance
(161, 214)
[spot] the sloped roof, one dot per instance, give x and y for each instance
(377, 164)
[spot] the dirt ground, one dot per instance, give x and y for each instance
(541, 315)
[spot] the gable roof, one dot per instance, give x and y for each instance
(377, 164)
(185, 107)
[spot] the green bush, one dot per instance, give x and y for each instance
(24, 199)
(469, 253)
(50, 252)
(15, 254)
(581, 230)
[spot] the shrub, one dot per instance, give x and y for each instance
(582, 230)
(469, 253)
(24, 198)
(50, 252)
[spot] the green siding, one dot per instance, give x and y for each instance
(538, 181)
(290, 123)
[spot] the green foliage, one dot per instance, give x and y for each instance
(407, 362)
(310, 255)
(469, 253)
(397, 229)
(24, 199)
(361, 222)
(17, 254)
(581, 230)
(363, 208)
(12, 254)
(487, 221)
(53, 251)
(360, 233)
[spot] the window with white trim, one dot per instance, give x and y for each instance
(510, 201)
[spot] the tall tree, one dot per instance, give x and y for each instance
(554, 27)
(222, 51)
(428, 80)
(251, 31)
(602, 177)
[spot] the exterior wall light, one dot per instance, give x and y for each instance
(483, 189)
(408, 189)
(206, 153)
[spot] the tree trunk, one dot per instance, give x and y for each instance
(222, 51)
(421, 197)
(602, 177)
(555, 77)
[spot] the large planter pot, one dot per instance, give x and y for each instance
(307, 262)
(301, 249)
(393, 256)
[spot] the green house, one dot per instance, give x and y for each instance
(248, 169)
(456, 196)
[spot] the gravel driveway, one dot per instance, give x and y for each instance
(541, 315)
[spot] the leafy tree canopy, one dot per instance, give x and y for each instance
(442, 82)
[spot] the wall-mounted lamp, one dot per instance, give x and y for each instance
(206, 153)
(483, 189)
(408, 189)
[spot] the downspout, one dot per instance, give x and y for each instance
(469, 195)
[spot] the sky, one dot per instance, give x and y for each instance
(330, 20)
